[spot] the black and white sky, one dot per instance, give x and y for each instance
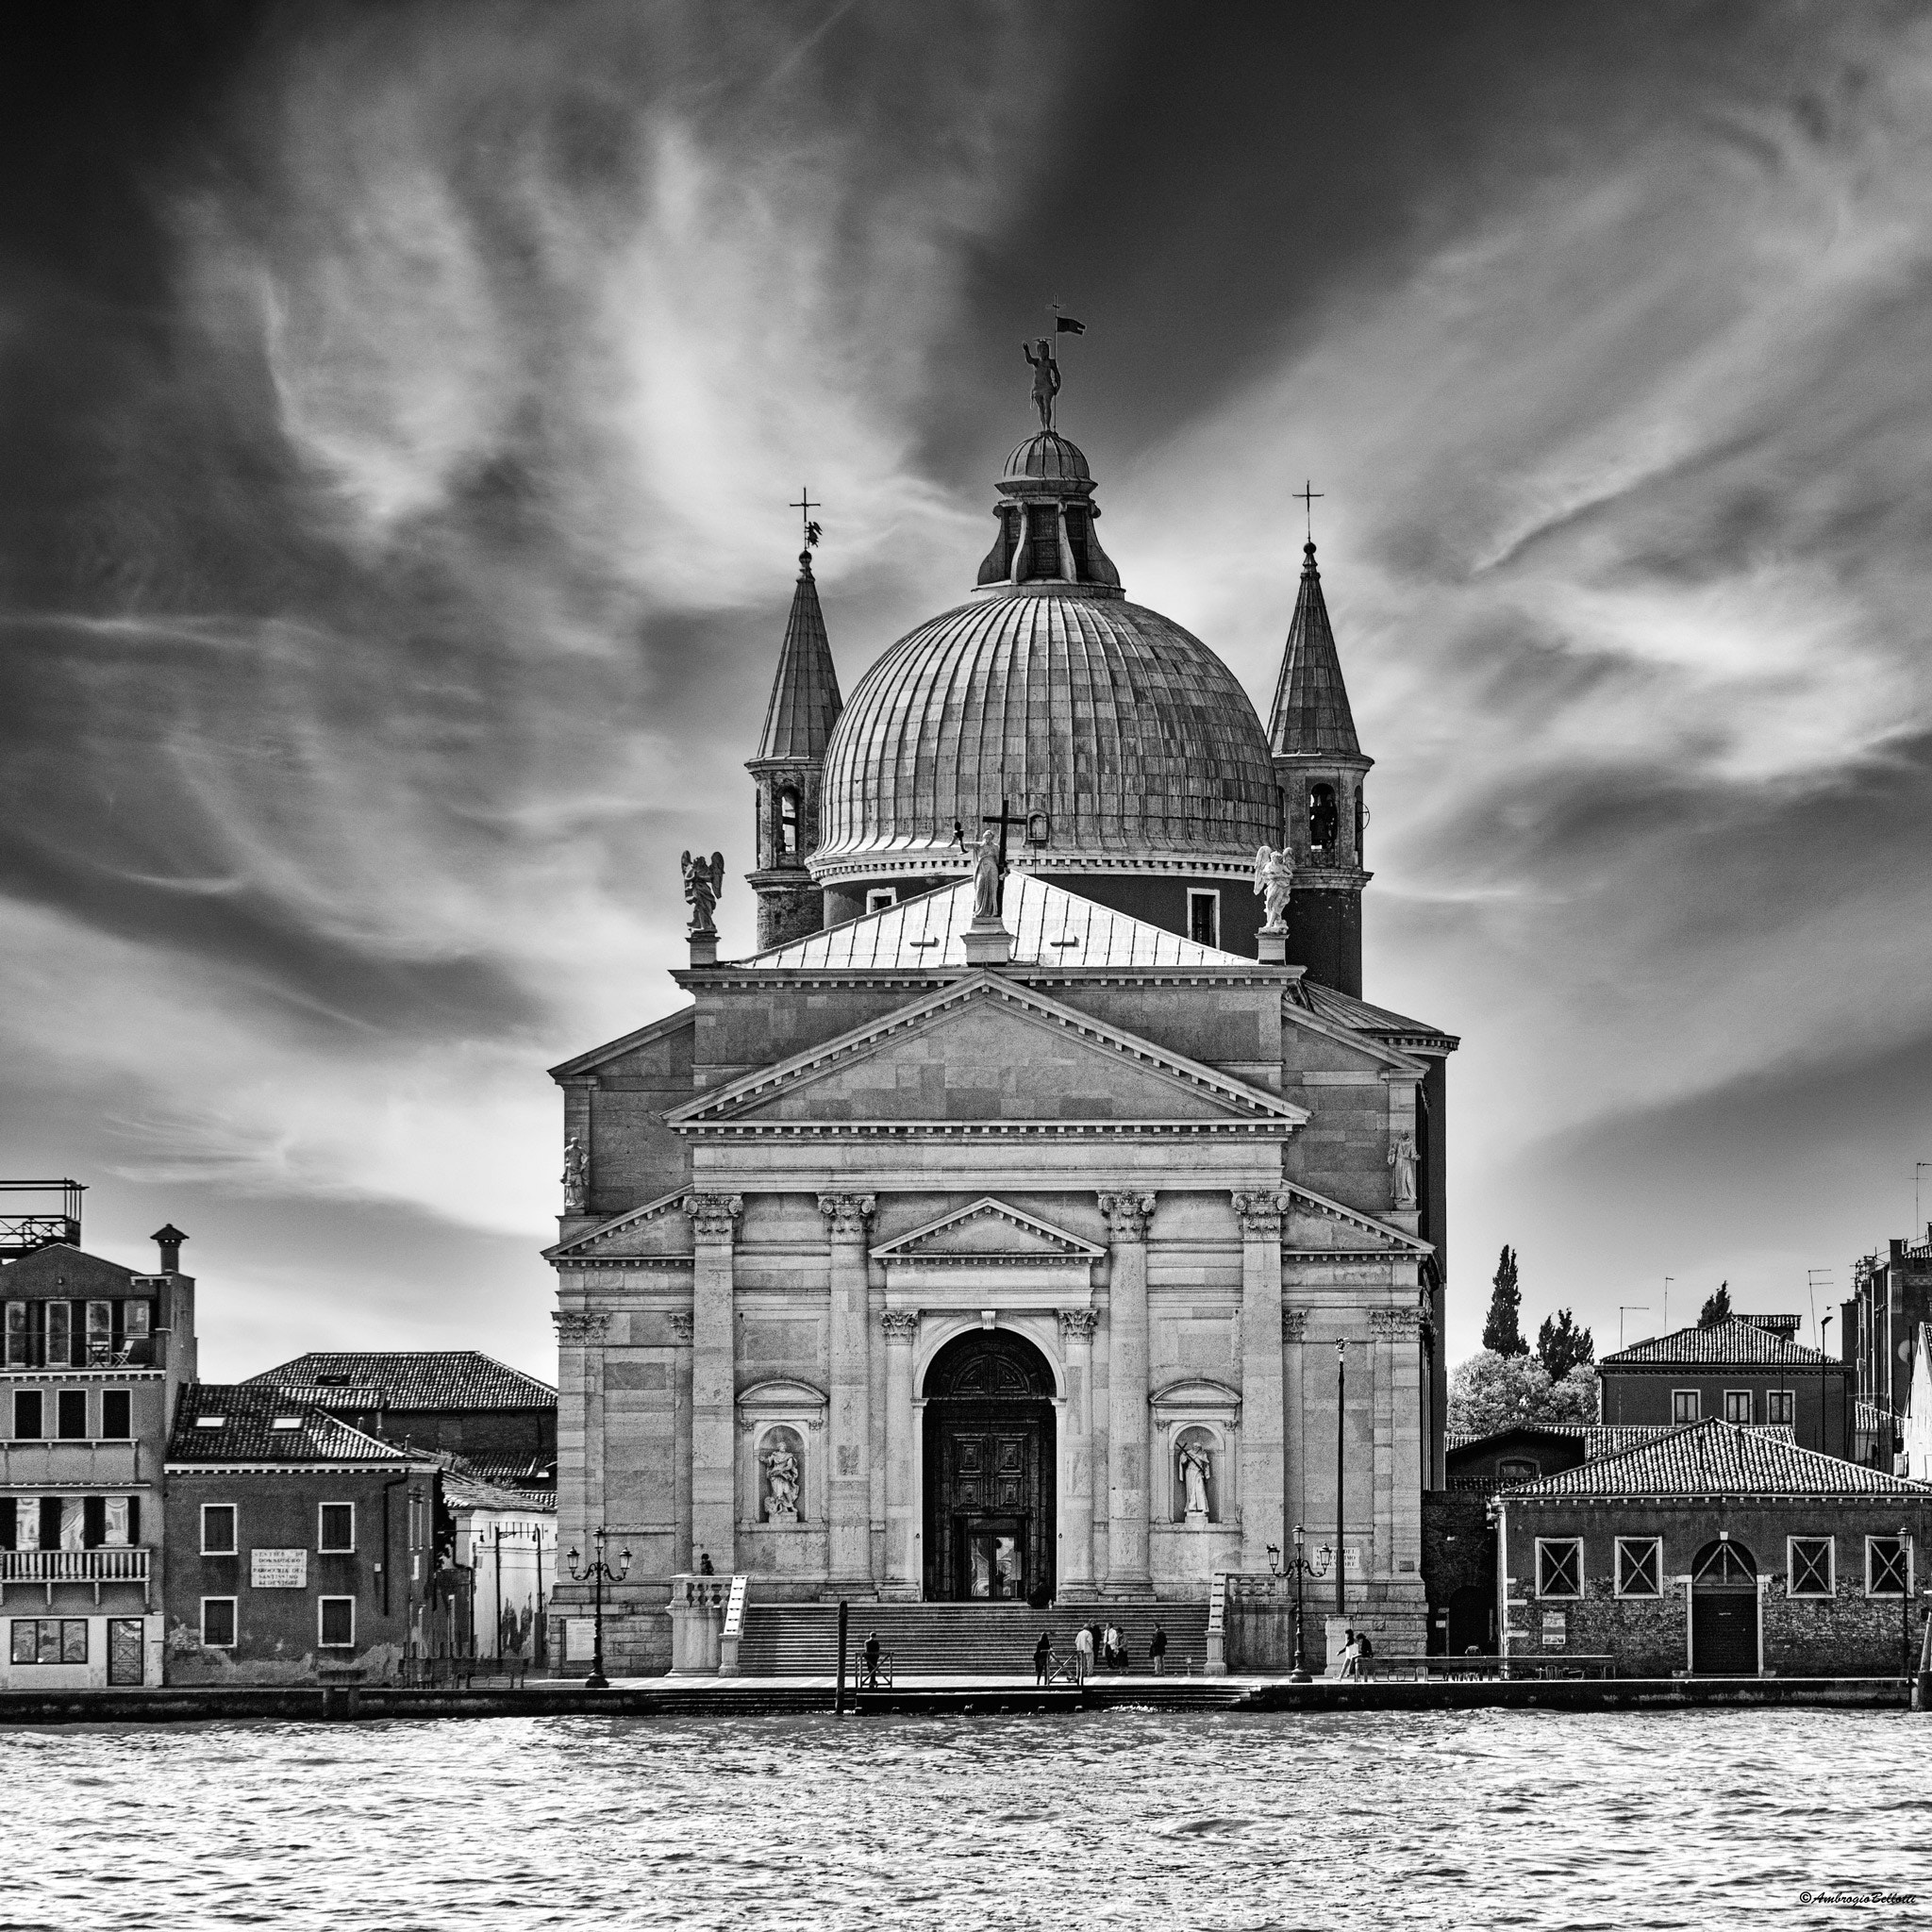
(401, 409)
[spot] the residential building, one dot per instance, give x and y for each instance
(507, 1540)
(1891, 1296)
(1748, 1370)
(1715, 1550)
(93, 1356)
(484, 1417)
(300, 1548)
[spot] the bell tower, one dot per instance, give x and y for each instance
(1319, 768)
(790, 767)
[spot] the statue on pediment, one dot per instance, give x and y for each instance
(1402, 1159)
(577, 1176)
(985, 875)
(704, 879)
(1274, 880)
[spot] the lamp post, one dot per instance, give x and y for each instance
(1904, 1607)
(597, 1573)
(1301, 1567)
(1340, 1472)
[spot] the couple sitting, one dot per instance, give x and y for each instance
(1355, 1650)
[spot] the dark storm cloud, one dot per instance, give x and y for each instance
(403, 405)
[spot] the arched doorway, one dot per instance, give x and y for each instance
(989, 1469)
(1724, 1611)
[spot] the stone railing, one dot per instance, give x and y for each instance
(697, 1612)
(95, 1567)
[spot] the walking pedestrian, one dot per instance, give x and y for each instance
(1351, 1655)
(1110, 1650)
(1157, 1649)
(1042, 1657)
(1083, 1653)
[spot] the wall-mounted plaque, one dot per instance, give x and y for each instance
(278, 1569)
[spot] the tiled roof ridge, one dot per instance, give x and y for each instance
(414, 1378)
(1736, 1341)
(249, 1409)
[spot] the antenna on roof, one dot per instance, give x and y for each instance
(1632, 1309)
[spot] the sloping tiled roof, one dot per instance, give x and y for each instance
(60, 1264)
(1312, 710)
(1613, 1438)
(805, 693)
(1734, 1345)
(1050, 926)
(1359, 1016)
(412, 1378)
(1718, 1458)
(247, 1412)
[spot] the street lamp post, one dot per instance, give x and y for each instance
(1301, 1567)
(1340, 1472)
(597, 1573)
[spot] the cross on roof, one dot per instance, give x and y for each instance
(805, 507)
(1003, 819)
(1308, 496)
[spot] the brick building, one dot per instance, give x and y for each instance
(94, 1354)
(1748, 1370)
(299, 1547)
(1715, 1550)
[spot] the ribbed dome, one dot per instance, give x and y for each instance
(1050, 458)
(1131, 734)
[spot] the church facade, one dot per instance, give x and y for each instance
(1073, 1235)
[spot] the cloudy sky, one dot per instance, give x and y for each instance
(402, 406)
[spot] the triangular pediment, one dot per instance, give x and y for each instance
(985, 1052)
(1315, 1223)
(658, 1231)
(989, 1230)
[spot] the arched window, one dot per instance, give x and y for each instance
(1324, 821)
(788, 824)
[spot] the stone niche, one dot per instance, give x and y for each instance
(783, 1496)
(1195, 1419)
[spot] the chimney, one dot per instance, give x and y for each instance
(169, 1240)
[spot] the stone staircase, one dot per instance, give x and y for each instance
(956, 1640)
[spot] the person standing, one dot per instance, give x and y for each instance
(1083, 1653)
(1110, 1648)
(1157, 1649)
(871, 1660)
(1042, 1657)
(1351, 1655)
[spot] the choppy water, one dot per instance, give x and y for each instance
(1111, 1819)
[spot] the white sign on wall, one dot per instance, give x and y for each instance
(278, 1569)
(1556, 1630)
(579, 1639)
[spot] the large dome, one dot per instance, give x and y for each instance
(1129, 734)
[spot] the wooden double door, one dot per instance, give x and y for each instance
(989, 1473)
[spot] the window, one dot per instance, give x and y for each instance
(26, 1413)
(1684, 1406)
(338, 1527)
(1204, 918)
(100, 1332)
(49, 1640)
(1780, 1405)
(117, 1414)
(881, 899)
(1888, 1566)
(1640, 1566)
(1808, 1566)
(1517, 1469)
(218, 1529)
(286, 1422)
(788, 824)
(70, 1411)
(1738, 1405)
(210, 1421)
(334, 1622)
(1560, 1566)
(1324, 821)
(18, 1344)
(217, 1623)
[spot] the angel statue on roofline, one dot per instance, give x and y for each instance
(704, 879)
(1274, 880)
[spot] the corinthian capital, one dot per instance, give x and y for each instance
(1127, 1215)
(901, 1324)
(1294, 1325)
(1078, 1324)
(846, 1214)
(713, 1216)
(1261, 1214)
(1386, 1325)
(578, 1329)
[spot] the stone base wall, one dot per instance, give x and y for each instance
(1842, 1636)
(1260, 1623)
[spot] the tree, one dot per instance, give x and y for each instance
(1717, 1308)
(1560, 1344)
(1502, 1335)
(1492, 1392)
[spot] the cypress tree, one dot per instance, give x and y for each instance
(1502, 1335)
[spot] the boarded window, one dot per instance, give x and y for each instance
(1885, 1566)
(1640, 1566)
(217, 1623)
(338, 1621)
(1560, 1566)
(1810, 1567)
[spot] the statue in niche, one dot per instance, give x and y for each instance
(1402, 1159)
(1196, 1466)
(985, 875)
(577, 1176)
(1274, 880)
(1046, 378)
(704, 879)
(781, 1483)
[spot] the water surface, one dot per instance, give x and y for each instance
(1120, 1818)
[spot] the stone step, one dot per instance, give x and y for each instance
(802, 1639)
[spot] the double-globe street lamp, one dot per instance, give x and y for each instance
(1301, 1566)
(597, 1573)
